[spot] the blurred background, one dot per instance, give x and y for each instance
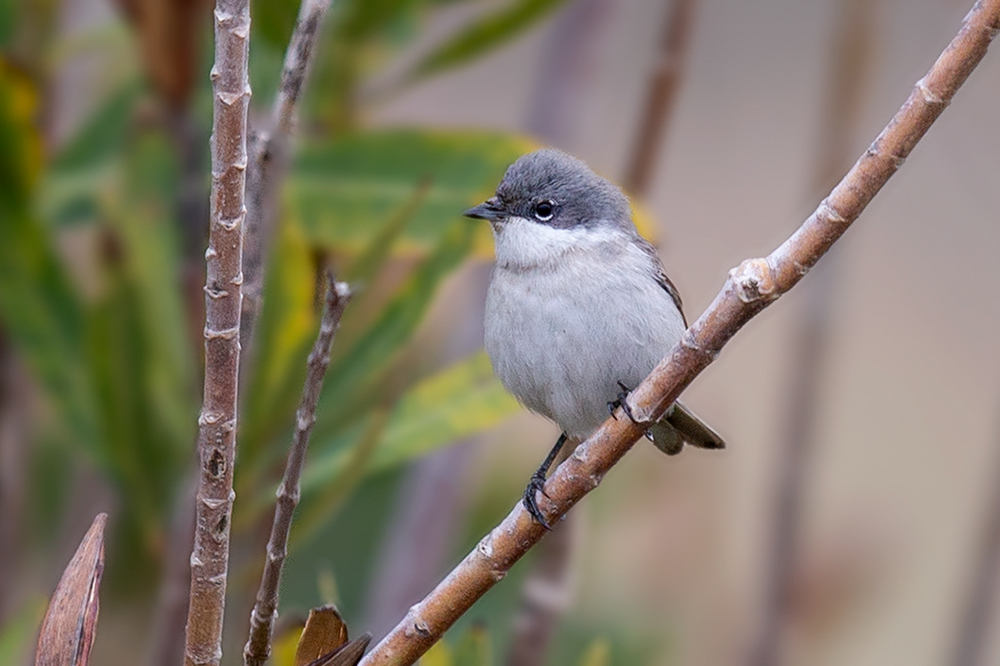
(848, 522)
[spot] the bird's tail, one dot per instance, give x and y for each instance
(680, 426)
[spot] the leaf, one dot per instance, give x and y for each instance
(285, 642)
(285, 330)
(317, 511)
(348, 654)
(363, 269)
(598, 653)
(325, 631)
(457, 402)
(20, 142)
(102, 137)
(18, 631)
(138, 448)
(474, 648)
(483, 35)
(357, 375)
(343, 190)
(38, 305)
(273, 21)
(438, 655)
(69, 626)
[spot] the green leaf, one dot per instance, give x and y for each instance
(484, 35)
(598, 653)
(439, 655)
(38, 306)
(103, 135)
(459, 401)
(343, 190)
(17, 635)
(474, 647)
(357, 376)
(273, 21)
(20, 142)
(285, 331)
(318, 509)
(371, 260)
(357, 20)
(85, 172)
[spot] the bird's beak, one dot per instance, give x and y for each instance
(491, 210)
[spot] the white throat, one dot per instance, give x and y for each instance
(521, 243)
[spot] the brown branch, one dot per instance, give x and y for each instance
(268, 160)
(851, 62)
(224, 277)
(265, 612)
(662, 95)
(751, 287)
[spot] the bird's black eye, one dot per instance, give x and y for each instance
(544, 210)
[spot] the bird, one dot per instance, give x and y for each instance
(579, 308)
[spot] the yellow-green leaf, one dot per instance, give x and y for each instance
(459, 401)
(343, 190)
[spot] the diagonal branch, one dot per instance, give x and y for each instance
(224, 277)
(268, 159)
(258, 647)
(751, 287)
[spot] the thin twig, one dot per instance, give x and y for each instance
(224, 277)
(851, 62)
(751, 287)
(268, 160)
(265, 612)
(661, 98)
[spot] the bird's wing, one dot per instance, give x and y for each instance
(661, 276)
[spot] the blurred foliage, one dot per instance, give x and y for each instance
(18, 634)
(97, 295)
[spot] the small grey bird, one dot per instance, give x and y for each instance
(579, 309)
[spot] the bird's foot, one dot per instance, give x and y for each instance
(536, 485)
(622, 401)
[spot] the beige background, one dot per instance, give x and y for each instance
(909, 444)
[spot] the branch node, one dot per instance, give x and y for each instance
(222, 334)
(417, 626)
(754, 281)
(929, 95)
(215, 293)
(232, 224)
(485, 546)
(208, 418)
(690, 341)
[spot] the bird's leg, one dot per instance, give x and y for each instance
(537, 483)
(621, 401)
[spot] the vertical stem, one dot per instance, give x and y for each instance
(258, 647)
(661, 96)
(268, 157)
(975, 619)
(223, 295)
(850, 57)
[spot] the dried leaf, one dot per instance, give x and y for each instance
(348, 654)
(68, 629)
(325, 631)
